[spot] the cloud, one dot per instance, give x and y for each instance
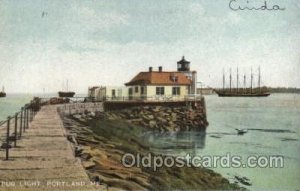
(233, 18)
(97, 45)
(197, 8)
(88, 17)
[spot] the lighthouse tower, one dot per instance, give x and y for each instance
(184, 67)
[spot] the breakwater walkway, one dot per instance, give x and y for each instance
(44, 158)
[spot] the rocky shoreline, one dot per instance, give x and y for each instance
(162, 119)
(105, 137)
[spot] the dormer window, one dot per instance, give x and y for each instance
(174, 78)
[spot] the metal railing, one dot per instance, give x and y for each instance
(62, 100)
(12, 129)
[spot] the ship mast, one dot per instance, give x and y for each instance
(223, 80)
(251, 80)
(67, 85)
(244, 83)
(230, 77)
(259, 79)
(237, 80)
(2, 88)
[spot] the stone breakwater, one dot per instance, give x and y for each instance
(103, 142)
(163, 118)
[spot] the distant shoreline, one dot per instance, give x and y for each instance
(284, 90)
(278, 90)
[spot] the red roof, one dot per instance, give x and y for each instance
(160, 78)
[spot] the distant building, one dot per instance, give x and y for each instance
(167, 85)
(205, 91)
(101, 93)
(93, 91)
(117, 93)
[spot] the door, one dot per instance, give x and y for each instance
(130, 92)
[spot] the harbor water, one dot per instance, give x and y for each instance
(273, 130)
(12, 103)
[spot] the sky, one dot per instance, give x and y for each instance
(44, 43)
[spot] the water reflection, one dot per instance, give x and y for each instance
(171, 143)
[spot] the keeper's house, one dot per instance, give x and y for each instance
(163, 85)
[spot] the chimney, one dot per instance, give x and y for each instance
(160, 68)
(150, 69)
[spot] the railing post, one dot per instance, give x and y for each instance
(7, 138)
(33, 114)
(21, 122)
(24, 122)
(31, 111)
(16, 130)
(27, 117)
(30, 114)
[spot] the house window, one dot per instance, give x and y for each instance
(136, 89)
(160, 90)
(143, 90)
(175, 90)
(113, 93)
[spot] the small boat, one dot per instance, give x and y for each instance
(66, 93)
(243, 92)
(241, 131)
(2, 93)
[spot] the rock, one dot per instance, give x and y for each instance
(78, 151)
(156, 109)
(96, 179)
(145, 118)
(77, 116)
(171, 124)
(86, 156)
(122, 115)
(144, 124)
(150, 116)
(92, 114)
(152, 124)
(163, 120)
(88, 164)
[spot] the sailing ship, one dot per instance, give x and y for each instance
(260, 91)
(66, 93)
(2, 93)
